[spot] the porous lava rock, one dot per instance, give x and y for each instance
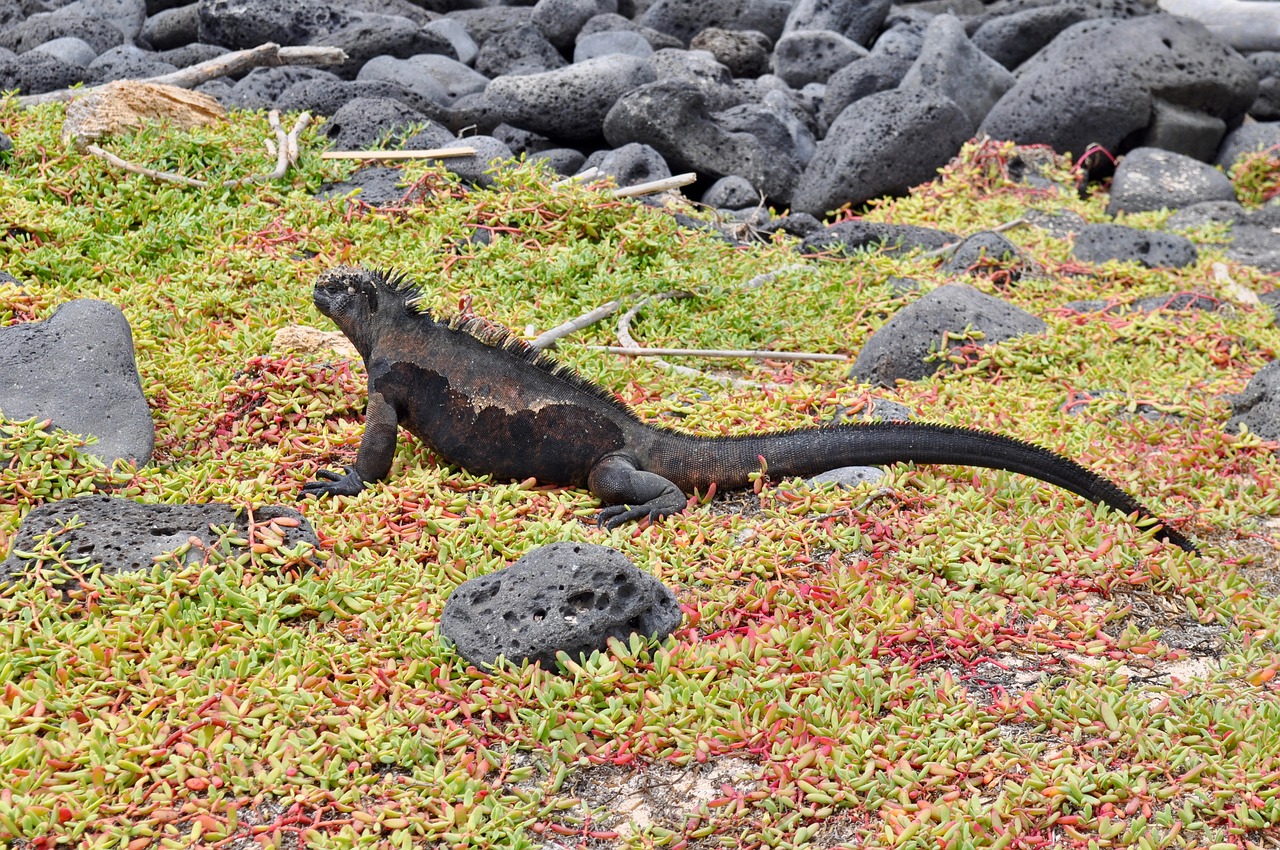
(1249, 139)
(1258, 406)
(523, 50)
(569, 597)
(125, 536)
(1099, 243)
(77, 369)
(950, 65)
(1011, 33)
(561, 20)
(898, 351)
(857, 20)
(987, 254)
(241, 24)
(630, 165)
(684, 19)
(382, 35)
(745, 54)
(880, 145)
(1153, 179)
(366, 122)
(1096, 82)
(812, 56)
(569, 103)
(856, 234)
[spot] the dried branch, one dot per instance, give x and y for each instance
(432, 153)
(754, 353)
(562, 330)
(285, 145)
(624, 336)
(212, 69)
(674, 182)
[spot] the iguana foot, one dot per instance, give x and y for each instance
(334, 484)
(615, 515)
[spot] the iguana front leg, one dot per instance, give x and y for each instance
(373, 460)
(630, 493)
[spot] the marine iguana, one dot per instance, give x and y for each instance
(489, 403)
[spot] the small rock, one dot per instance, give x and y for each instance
(77, 369)
(563, 161)
(375, 185)
(847, 476)
(327, 94)
(570, 103)
(1180, 130)
(812, 56)
(193, 54)
(950, 65)
(1258, 406)
(987, 254)
(1058, 223)
(1266, 107)
(617, 23)
(699, 69)
(241, 24)
(1247, 139)
(126, 62)
(560, 20)
(382, 35)
(883, 144)
(1098, 243)
(464, 46)
(1255, 246)
(437, 78)
(98, 33)
(523, 50)
(855, 235)
(485, 22)
(745, 54)
(259, 88)
(878, 72)
(857, 20)
(477, 169)
(569, 597)
(35, 72)
(798, 225)
(1197, 215)
(172, 27)
(604, 43)
(898, 351)
(731, 193)
(630, 165)
(72, 51)
(313, 341)
(367, 122)
(125, 536)
(686, 18)
(1151, 179)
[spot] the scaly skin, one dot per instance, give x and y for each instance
(486, 402)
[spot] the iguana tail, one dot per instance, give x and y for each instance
(694, 462)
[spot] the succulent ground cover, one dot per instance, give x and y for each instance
(953, 658)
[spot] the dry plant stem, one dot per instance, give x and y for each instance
(653, 186)
(562, 330)
(755, 353)
(212, 69)
(286, 147)
(769, 277)
(951, 246)
(433, 153)
(590, 174)
(624, 337)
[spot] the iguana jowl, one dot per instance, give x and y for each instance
(486, 401)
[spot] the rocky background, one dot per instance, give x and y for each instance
(804, 104)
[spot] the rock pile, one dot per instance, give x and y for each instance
(812, 104)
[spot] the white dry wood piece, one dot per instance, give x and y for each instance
(212, 69)
(753, 353)
(431, 153)
(673, 182)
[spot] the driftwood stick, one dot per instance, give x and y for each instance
(674, 182)
(754, 353)
(211, 69)
(624, 337)
(163, 176)
(432, 153)
(590, 174)
(769, 277)
(562, 330)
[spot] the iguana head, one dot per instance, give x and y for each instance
(352, 297)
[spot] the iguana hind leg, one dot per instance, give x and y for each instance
(630, 493)
(373, 460)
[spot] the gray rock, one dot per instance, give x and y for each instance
(1015, 37)
(881, 145)
(369, 122)
(563, 161)
(524, 50)
(99, 34)
(259, 88)
(731, 193)
(1266, 107)
(485, 22)
(6, 154)
(35, 72)
(701, 70)
(432, 135)
(569, 597)
(1094, 84)
(799, 225)
(1255, 246)
(77, 369)
(898, 351)
(858, 20)
(125, 15)
(812, 56)
(561, 20)
(671, 116)
(521, 141)
(604, 43)
(375, 185)
(1183, 131)
(125, 536)
(1193, 216)
(477, 169)
(744, 53)
(951, 66)
(382, 35)
(240, 24)
(847, 476)
(630, 164)
(464, 46)
(1172, 302)
(988, 254)
(127, 62)
(70, 51)
(172, 27)
(857, 235)
(618, 23)
(878, 72)
(569, 103)
(192, 54)
(1247, 139)
(327, 94)
(1151, 179)
(437, 78)
(686, 18)
(1258, 407)
(1061, 224)
(1098, 243)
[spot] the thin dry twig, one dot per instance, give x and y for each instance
(653, 186)
(754, 353)
(432, 153)
(285, 145)
(562, 330)
(624, 337)
(212, 69)
(590, 174)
